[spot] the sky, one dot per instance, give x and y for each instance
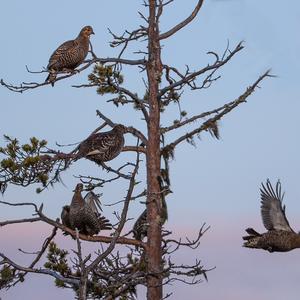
(216, 182)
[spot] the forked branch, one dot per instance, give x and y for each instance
(184, 23)
(221, 112)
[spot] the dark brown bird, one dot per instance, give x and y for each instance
(140, 227)
(69, 55)
(83, 214)
(103, 146)
(65, 216)
(280, 237)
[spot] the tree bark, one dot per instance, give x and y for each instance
(82, 288)
(154, 68)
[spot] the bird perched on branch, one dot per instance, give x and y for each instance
(140, 227)
(83, 213)
(69, 55)
(103, 146)
(280, 237)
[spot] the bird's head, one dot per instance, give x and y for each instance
(120, 128)
(78, 188)
(66, 208)
(87, 31)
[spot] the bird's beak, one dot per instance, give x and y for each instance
(93, 32)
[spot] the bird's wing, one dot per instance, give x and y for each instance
(65, 216)
(61, 52)
(140, 226)
(93, 202)
(103, 142)
(104, 223)
(272, 211)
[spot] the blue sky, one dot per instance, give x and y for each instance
(217, 182)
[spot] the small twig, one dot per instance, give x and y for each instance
(122, 221)
(225, 110)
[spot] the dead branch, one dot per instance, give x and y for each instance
(183, 23)
(30, 220)
(6, 260)
(138, 102)
(130, 129)
(193, 244)
(135, 149)
(161, 6)
(127, 37)
(24, 86)
(220, 113)
(188, 79)
(117, 233)
(39, 254)
(109, 169)
(45, 219)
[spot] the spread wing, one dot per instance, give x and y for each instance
(93, 202)
(272, 210)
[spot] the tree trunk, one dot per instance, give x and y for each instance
(154, 259)
(82, 287)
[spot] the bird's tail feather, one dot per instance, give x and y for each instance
(251, 240)
(104, 223)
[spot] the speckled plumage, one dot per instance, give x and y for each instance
(140, 227)
(70, 54)
(103, 146)
(65, 216)
(280, 237)
(83, 214)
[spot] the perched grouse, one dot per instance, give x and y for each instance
(280, 237)
(103, 146)
(83, 214)
(70, 54)
(140, 227)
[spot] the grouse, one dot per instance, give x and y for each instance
(69, 55)
(103, 146)
(83, 214)
(280, 237)
(140, 227)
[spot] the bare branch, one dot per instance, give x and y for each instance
(134, 149)
(139, 103)
(40, 253)
(126, 38)
(122, 221)
(191, 76)
(8, 261)
(130, 129)
(225, 110)
(53, 223)
(30, 220)
(24, 86)
(183, 23)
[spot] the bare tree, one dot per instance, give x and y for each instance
(109, 274)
